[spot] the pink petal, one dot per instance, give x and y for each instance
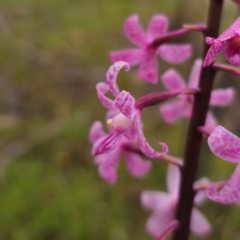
(201, 196)
(213, 51)
(224, 144)
(125, 104)
(107, 144)
(159, 220)
(108, 164)
(132, 133)
(232, 54)
(175, 53)
(222, 97)
(211, 122)
(102, 89)
(131, 56)
(230, 31)
(134, 31)
(136, 166)
(111, 76)
(96, 132)
(173, 180)
(170, 227)
(172, 80)
(199, 224)
(158, 26)
(195, 74)
(145, 147)
(230, 192)
(148, 69)
(172, 111)
(154, 200)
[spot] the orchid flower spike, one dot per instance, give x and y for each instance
(182, 107)
(228, 41)
(108, 162)
(225, 145)
(125, 120)
(163, 206)
(146, 55)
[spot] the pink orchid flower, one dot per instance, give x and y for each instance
(228, 41)
(164, 204)
(126, 120)
(146, 55)
(182, 107)
(225, 145)
(108, 162)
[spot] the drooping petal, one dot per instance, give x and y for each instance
(200, 196)
(172, 80)
(108, 164)
(232, 54)
(157, 27)
(153, 200)
(224, 144)
(108, 143)
(136, 165)
(148, 69)
(213, 51)
(125, 104)
(210, 123)
(102, 89)
(96, 132)
(230, 191)
(172, 111)
(171, 226)
(132, 133)
(145, 147)
(175, 53)
(111, 76)
(195, 74)
(158, 221)
(131, 56)
(199, 224)
(222, 97)
(173, 180)
(134, 32)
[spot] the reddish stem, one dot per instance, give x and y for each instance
(194, 138)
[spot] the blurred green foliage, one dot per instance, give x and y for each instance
(52, 53)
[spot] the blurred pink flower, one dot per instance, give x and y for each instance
(146, 55)
(125, 119)
(108, 162)
(228, 41)
(225, 145)
(164, 204)
(182, 107)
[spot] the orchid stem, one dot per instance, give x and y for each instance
(194, 137)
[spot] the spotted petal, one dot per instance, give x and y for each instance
(232, 54)
(230, 191)
(230, 31)
(145, 147)
(222, 97)
(175, 53)
(157, 27)
(125, 104)
(108, 143)
(96, 132)
(172, 80)
(195, 74)
(136, 165)
(148, 69)
(134, 31)
(224, 144)
(111, 76)
(102, 89)
(199, 224)
(131, 56)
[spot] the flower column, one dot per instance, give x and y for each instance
(194, 138)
